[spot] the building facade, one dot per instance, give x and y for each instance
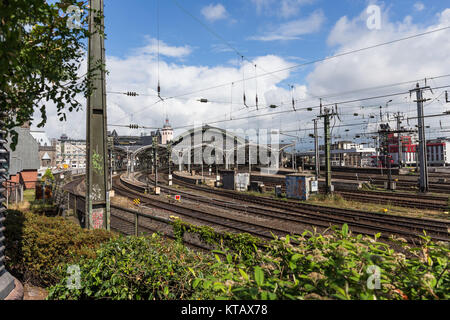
(70, 153)
(438, 151)
(47, 150)
(24, 160)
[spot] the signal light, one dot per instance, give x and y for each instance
(134, 126)
(132, 94)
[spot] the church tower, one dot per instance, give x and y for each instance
(166, 133)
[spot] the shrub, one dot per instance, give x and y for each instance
(138, 268)
(36, 245)
(338, 266)
(335, 265)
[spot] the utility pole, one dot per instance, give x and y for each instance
(155, 160)
(169, 160)
(424, 184)
(327, 114)
(399, 117)
(97, 195)
(385, 129)
(316, 149)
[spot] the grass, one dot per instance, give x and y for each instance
(339, 202)
(29, 195)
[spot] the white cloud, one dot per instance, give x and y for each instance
(138, 72)
(164, 49)
(419, 6)
(281, 8)
(426, 56)
(215, 12)
(292, 30)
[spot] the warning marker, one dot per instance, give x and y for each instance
(137, 202)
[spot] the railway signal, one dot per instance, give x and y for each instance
(178, 198)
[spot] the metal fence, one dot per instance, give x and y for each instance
(133, 222)
(13, 192)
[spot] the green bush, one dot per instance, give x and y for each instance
(36, 245)
(48, 176)
(138, 268)
(336, 265)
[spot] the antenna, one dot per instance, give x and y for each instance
(293, 101)
(243, 81)
(321, 107)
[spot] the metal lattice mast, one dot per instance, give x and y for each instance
(97, 195)
(423, 161)
(6, 280)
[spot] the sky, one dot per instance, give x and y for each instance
(215, 45)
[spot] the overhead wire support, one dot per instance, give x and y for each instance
(292, 96)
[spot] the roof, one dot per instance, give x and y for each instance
(41, 138)
(46, 157)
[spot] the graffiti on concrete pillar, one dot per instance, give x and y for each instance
(97, 163)
(97, 218)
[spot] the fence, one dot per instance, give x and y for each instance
(132, 221)
(13, 192)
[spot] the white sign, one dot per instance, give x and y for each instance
(314, 186)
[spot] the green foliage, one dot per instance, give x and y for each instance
(139, 269)
(40, 60)
(334, 265)
(36, 245)
(48, 176)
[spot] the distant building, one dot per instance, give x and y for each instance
(47, 150)
(24, 160)
(166, 133)
(70, 153)
(438, 151)
(164, 136)
(344, 154)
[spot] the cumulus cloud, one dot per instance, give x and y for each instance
(215, 12)
(164, 49)
(281, 8)
(419, 6)
(414, 59)
(138, 72)
(293, 30)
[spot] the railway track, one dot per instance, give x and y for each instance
(291, 212)
(408, 200)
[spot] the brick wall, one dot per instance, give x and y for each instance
(29, 178)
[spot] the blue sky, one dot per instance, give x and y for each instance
(275, 34)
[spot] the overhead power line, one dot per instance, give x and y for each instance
(313, 62)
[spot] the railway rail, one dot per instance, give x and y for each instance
(408, 200)
(290, 212)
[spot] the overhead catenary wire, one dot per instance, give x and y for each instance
(316, 61)
(311, 108)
